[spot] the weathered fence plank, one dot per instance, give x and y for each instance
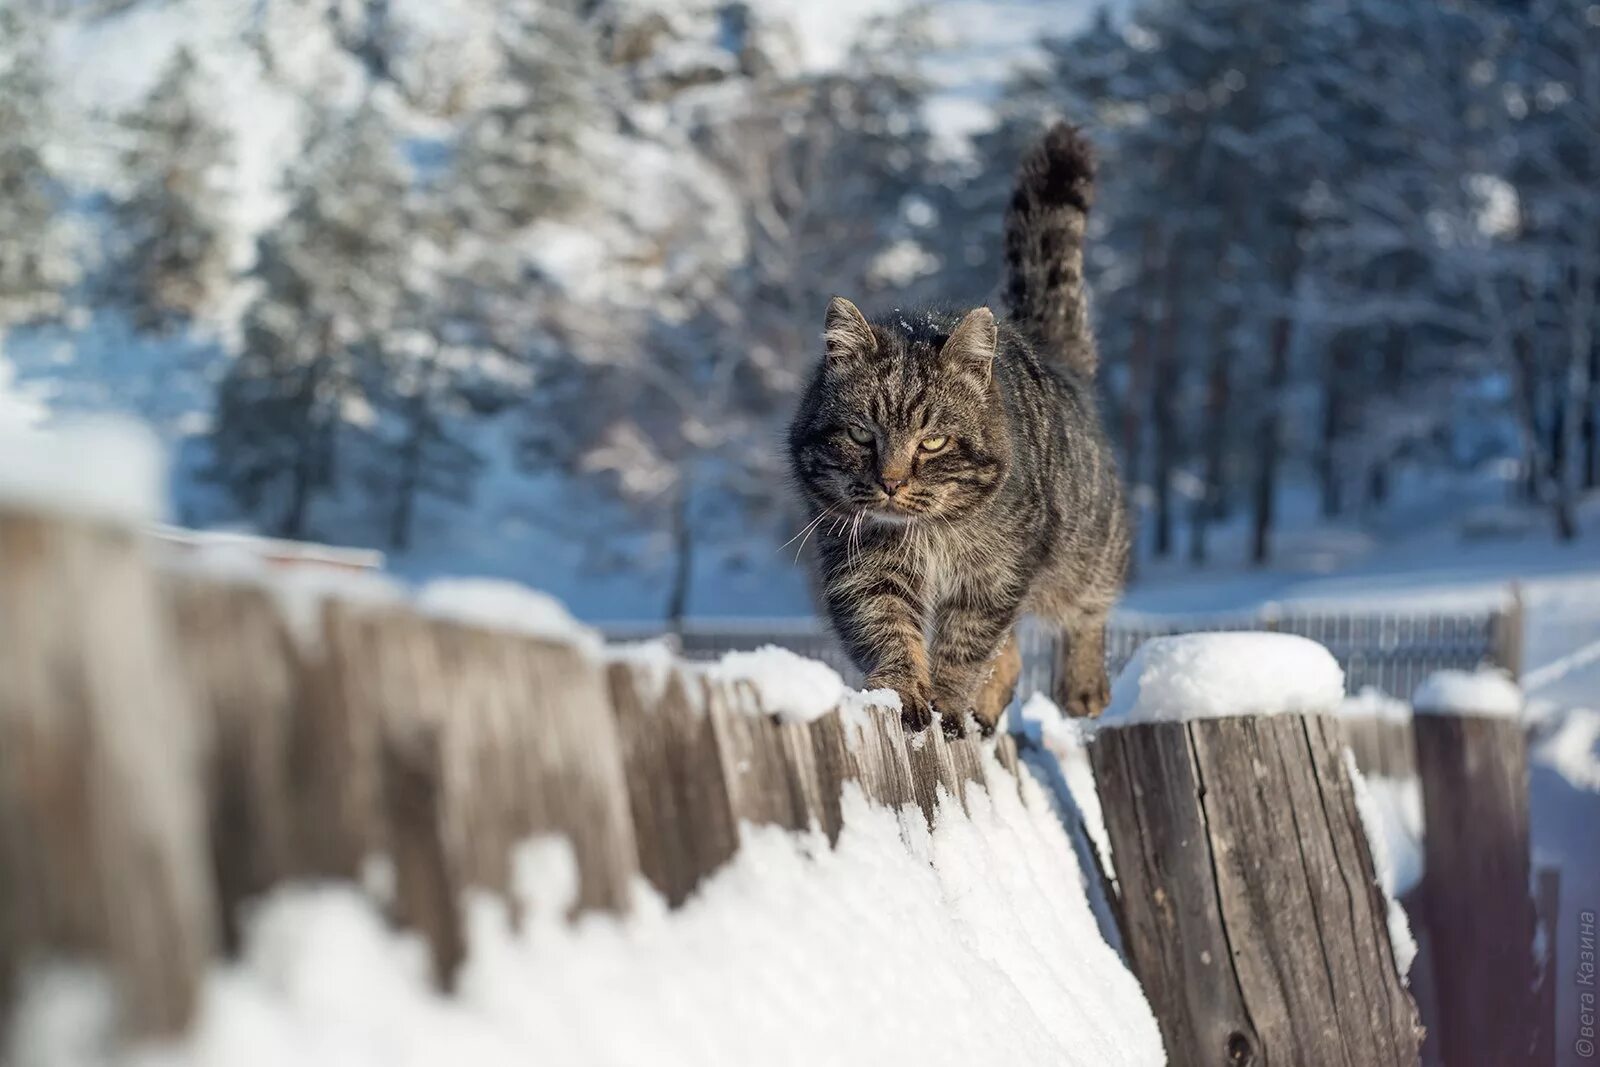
(102, 833)
(835, 766)
(681, 806)
(928, 756)
(763, 784)
(874, 740)
(805, 777)
(337, 754)
(1475, 891)
(1150, 788)
(966, 758)
(427, 887)
(1507, 630)
(887, 736)
(245, 677)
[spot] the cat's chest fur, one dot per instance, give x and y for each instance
(955, 559)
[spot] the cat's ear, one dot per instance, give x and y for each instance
(972, 344)
(846, 332)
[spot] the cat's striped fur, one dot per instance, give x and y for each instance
(957, 473)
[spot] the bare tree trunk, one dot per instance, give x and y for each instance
(1132, 427)
(313, 447)
(1591, 420)
(405, 490)
(1133, 408)
(1570, 477)
(303, 475)
(1161, 395)
(294, 519)
(1269, 430)
(1329, 472)
(1218, 397)
(1542, 465)
(1526, 377)
(682, 562)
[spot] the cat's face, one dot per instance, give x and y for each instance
(903, 422)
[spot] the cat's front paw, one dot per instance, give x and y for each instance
(916, 706)
(954, 711)
(1086, 697)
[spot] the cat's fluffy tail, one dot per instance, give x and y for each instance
(1044, 247)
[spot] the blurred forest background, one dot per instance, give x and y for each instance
(527, 287)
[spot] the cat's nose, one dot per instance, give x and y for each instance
(891, 485)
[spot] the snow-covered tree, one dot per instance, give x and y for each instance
(522, 152)
(172, 265)
(332, 282)
(33, 263)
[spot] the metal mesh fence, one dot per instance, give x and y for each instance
(1391, 651)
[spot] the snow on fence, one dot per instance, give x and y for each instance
(351, 829)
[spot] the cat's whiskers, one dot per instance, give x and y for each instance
(807, 536)
(805, 530)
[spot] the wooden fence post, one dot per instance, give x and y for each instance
(524, 746)
(246, 679)
(881, 753)
(1249, 903)
(1547, 882)
(928, 756)
(835, 766)
(1472, 760)
(102, 836)
(766, 786)
(1506, 628)
(682, 813)
(1378, 730)
(427, 884)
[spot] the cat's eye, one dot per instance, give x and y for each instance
(935, 444)
(860, 435)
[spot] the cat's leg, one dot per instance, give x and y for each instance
(876, 603)
(971, 625)
(1082, 688)
(995, 694)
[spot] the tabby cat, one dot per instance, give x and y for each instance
(957, 475)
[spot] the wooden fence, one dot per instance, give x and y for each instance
(1390, 651)
(170, 750)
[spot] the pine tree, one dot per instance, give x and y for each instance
(33, 263)
(522, 154)
(173, 265)
(332, 280)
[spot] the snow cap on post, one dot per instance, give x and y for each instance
(1487, 693)
(1222, 675)
(100, 468)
